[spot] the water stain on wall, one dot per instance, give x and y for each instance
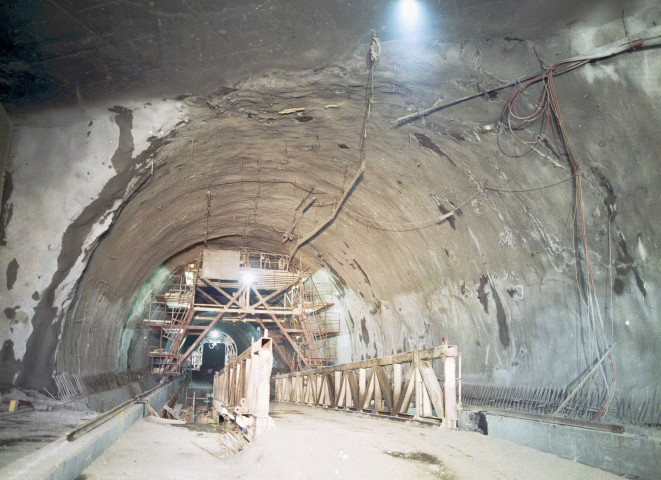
(625, 265)
(12, 273)
(501, 318)
(363, 329)
(6, 208)
(482, 295)
(39, 360)
(10, 366)
(426, 142)
(367, 280)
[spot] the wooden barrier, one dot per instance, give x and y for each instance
(242, 388)
(387, 385)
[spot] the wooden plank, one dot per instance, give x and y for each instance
(325, 392)
(418, 392)
(282, 328)
(320, 386)
(348, 401)
(330, 389)
(433, 387)
(171, 412)
(341, 395)
(361, 386)
(434, 353)
(386, 390)
(378, 398)
(151, 411)
(316, 384)
(353, 388)
(367, 399)
(164, 420)
(396, 382)
(337, 378)
(203, 334)
(409, 385)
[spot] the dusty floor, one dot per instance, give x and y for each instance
(23, 433)
(311, 443)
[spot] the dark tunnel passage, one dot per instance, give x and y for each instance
(483, 172)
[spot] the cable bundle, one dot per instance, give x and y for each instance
(546, 115)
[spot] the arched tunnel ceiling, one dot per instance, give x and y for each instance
(71, 50)
(498, 278)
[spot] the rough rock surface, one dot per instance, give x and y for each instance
(105, 195)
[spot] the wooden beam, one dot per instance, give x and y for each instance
(353, 388)
(386, 390)
(433, 387)
(277, 292)
(409, 386)
(434, 353)
(367, 398)
(232, 299)
(356, 385)
(213, 300)
(201, 336)
(282, 328)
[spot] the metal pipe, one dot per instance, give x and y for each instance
(105, 416)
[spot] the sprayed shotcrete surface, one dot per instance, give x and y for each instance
(93, 158)
(92, 222)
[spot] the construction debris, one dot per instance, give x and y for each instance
(287, 111)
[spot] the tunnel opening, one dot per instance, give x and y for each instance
(213, 360)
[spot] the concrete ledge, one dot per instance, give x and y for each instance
(64, 460)
(632, 455)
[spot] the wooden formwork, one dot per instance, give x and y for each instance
(242, 388)
(389, 385)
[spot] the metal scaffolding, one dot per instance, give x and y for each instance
(261, 288)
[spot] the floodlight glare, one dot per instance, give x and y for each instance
(409, 13)
(247, 278)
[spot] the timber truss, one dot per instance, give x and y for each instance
(402, 385)
(288, 303)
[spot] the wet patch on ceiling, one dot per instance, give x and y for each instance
(426, 142)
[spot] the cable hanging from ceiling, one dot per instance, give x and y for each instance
(545, 117)
(372, 57)
(648, 38)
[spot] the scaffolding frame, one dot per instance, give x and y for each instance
(287, 299)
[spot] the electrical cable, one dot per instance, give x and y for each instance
(648, 38)
(405, 226)
(526, 190)
(547, 113)
(374, 52)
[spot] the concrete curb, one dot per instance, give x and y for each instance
(620, 453)
(64, 460)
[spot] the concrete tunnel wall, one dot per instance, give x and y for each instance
(105, 194)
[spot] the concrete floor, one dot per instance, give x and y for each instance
(24, 433)
(312, 443)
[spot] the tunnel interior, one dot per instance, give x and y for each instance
(484, 172)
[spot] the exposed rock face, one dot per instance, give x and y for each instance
(498, 279)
